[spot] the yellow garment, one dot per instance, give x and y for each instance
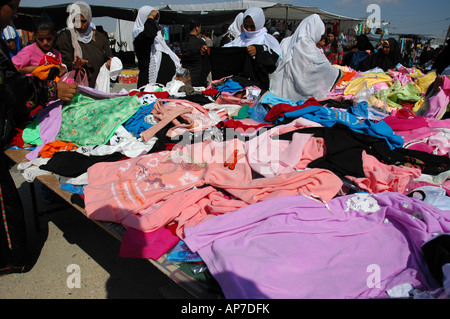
(366, 81)
(418, 105)
(425, 81)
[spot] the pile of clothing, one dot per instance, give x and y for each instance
(344, 197)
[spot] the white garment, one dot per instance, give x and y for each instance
(30, 170)
(303, 71)
(159, 45)
(103, 82)
(260, 36)
(73, 21)
(235, 27)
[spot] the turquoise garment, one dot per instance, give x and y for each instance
(87, 121)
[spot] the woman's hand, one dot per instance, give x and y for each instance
(108, 63)
(79, 63)
(154, 15)
(66, 91)
(251, 50)
(204, 49)
(62, 69)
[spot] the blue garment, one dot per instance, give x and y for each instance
(270, 98)
(229, 86)
(73, 189)
(357, 58)
(136, 124)
(330, 116)
(9, 33)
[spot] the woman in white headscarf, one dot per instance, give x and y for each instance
(81, 46)
(234, 30)
(157, 63)
(255, 33)
(261, 45)
(304, 71)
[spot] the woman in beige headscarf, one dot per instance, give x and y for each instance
(81, 46)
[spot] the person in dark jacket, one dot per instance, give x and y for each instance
(157, 63)
(18, 94)
(385, 59)
(194, 55)
(361, 50)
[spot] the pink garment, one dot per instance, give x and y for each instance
(31, 55)
(152, 190)
(402, 77)
(138, 244)
(405, 124)
(430, 140)
(434, 123)
(438, 103)
(198, 118)
(270, 157)
(384, 178)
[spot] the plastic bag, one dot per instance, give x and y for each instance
(78, 77)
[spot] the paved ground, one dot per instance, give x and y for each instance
(67, 237)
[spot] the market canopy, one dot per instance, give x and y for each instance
(208, 13)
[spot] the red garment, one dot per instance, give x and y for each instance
(17, 139)
(159, 95)
(278, 110)
(210, 92)
(236, 124)
(50, 58)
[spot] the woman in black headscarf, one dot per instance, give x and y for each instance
(360, 51)
(384, 59)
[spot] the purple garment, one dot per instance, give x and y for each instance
(294, 247)
(96, 94)
(50, 119)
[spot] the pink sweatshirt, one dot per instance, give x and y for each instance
(152, 190)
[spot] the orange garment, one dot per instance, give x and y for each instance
(56, 146)
(42, 72)
(347, 77)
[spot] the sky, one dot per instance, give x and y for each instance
(427, 17)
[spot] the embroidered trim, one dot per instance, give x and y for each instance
(5, 223)
(52, 90)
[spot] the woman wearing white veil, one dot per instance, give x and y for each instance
(157, 63)
(232, 32)
(81, 46)
(303, 71)
(261, 46)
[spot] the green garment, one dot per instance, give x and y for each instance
(31, 132)
(398, 94)
(243, 113)
(87, 121)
